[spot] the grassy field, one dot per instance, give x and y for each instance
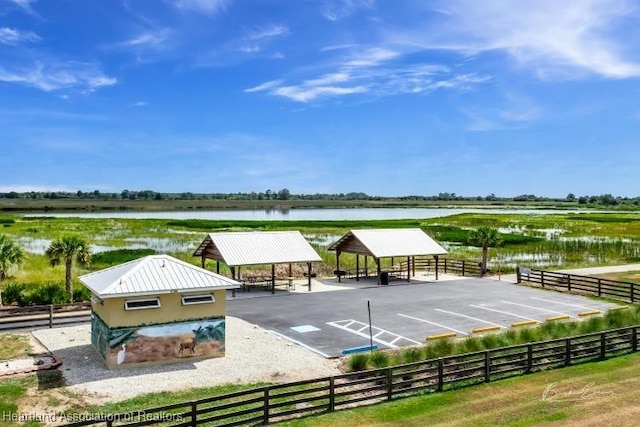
(596, 394)
(538, 241)
(14, 346)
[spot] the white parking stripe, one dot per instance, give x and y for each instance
(503, 312)
(301, 344)
(563, 303)
(536, 308)
(432, 323)
(468, 317)
(378, 331)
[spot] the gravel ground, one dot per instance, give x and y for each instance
(252, 355)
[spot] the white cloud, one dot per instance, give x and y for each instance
(140, 104)
(551, 38)
(49, 77)
(334, 10)
(309, 93)
(516, 112)
(12, 37)
(374, 71)
(264, 86)
(207, 7)
(275, 30)
(24, 5)
(147, 39)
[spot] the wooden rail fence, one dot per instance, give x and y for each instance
(274, 403)
(588, 285)
(43, 315)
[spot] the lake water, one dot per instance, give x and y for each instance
(305, 214)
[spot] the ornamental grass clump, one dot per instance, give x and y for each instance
(379, 359)
(357, 362)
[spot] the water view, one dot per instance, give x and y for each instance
(315, 214)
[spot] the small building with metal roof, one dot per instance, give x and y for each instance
(238, 249)
(155, 310)
(386, 243)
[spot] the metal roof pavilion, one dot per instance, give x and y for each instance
(386, 243)
(257, 248)
(237, 249)
(153, 275)
(383, 243)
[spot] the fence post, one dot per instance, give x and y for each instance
(632, 293)
(487, 366)
(603, 345)
(599, 287)
(440, 374)
(463, 267)
(542, 278)
(518, 277)
(529, 358)
(50, 316)
(634, 338)
(194, 414)
(445, 266)
(389, 384)
(567, 352)
(332, 394)
(265, 416)
(569, 282)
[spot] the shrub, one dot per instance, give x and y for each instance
(412, 355)
(379, 359)
(470, 345)
(441, 347)
(492, 340)
(357, 362)
(81, 293)
(12, 293)
(50, 293)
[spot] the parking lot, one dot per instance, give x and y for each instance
(405, 313)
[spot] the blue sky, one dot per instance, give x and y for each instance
(387, 97)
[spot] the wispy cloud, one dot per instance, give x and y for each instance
(206, 7)
(140, 104)
(146, 39)
(13, 37)
(275, 30)
(85, 77)
(516, 112)
(334, 10)
(25, 5)
(375, 71)
(554, 40)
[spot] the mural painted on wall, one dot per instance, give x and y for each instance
(167, 342)
(99, 335)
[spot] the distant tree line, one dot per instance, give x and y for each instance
(285, 194)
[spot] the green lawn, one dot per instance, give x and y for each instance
(603, 393)
(14, 346)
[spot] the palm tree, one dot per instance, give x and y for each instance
(10, 254)
(68, 249)
(484, 237)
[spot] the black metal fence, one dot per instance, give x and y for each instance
(586, 285)
(274, 403)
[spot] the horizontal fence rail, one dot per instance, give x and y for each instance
(586, 285)
(274, 403)
(12, 318)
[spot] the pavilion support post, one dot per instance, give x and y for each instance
(233, 272)
(413, 266)
(391, 261)
(239, 277)
(309, 275)
(357, 267)
(273, 278)
(366, 268)
(436, 257)
(203, 258)
(408, 269)
(338, 266)
(378, 269)
(217, 266)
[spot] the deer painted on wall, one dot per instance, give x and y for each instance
(188, 345)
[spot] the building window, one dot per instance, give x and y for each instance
(140, 304)
(198, 299)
